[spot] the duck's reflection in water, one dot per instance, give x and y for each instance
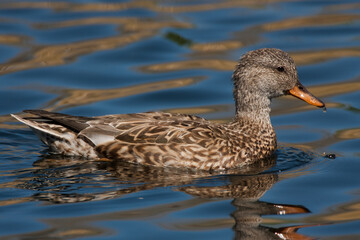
(60, 181)
(248, 220)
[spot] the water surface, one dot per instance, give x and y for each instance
(104, 57)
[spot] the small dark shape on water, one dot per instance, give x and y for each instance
(330, 156)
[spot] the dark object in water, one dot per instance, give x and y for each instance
(330, 155)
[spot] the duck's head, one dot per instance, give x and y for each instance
(267, 73)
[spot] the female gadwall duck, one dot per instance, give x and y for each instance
(179, 140)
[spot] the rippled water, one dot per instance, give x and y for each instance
(101, 57)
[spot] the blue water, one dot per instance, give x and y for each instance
(103, 57)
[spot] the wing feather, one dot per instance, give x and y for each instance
(163, 139)
(151, 127)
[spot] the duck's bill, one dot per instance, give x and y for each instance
(301, 92)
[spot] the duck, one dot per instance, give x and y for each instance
(163, 139)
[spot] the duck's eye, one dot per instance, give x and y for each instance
(280, 69)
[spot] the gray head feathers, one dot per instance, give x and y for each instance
(260, 76)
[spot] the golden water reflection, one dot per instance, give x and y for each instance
(152, 5)
(125, 24)
(54, 55)
(301, 58)
(311, 21)
(78, 97)
(137, 29)
(15, 40)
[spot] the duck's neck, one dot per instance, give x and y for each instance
(253, 109)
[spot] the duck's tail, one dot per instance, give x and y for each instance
(41, 127)
(53, 129)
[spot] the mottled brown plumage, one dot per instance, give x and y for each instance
(179, 140)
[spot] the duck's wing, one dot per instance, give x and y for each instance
(151, 127)
(161, 139)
